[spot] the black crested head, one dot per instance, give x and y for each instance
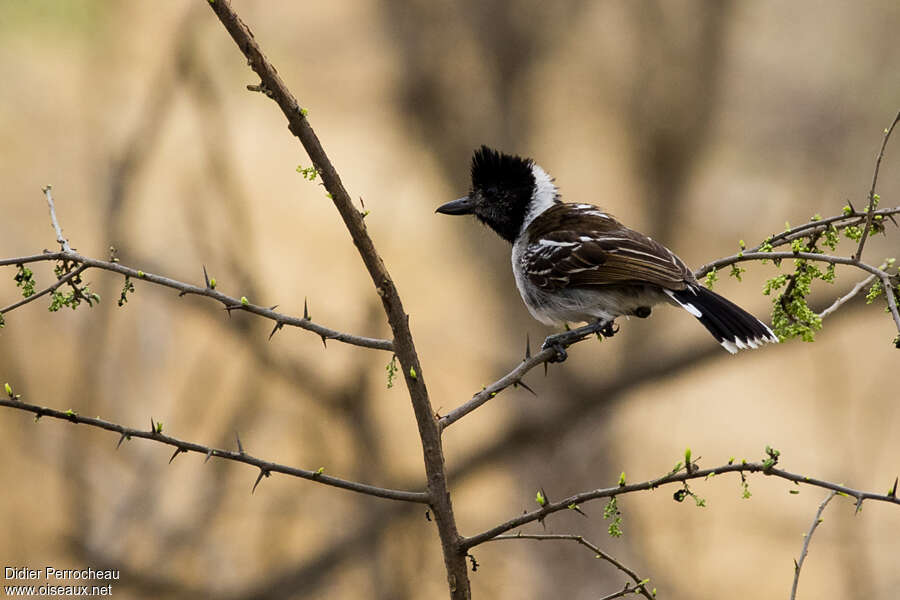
(502, 187)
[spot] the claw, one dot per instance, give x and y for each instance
(553, 342)
(609, 329)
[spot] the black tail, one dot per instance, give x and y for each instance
(731, 325)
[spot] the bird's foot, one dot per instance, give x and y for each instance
(560, 341)
(558, 344)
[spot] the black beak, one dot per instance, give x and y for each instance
(461, 206)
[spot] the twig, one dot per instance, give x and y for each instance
(63, 242)
(848, 296)
(828, 258)
(185, 446)
(52, 288)
(840, 222)
(229, 302)
(512, 378)
(798, 564)
(673, 477)
(628, 589)
(869, 215)
(639, 583)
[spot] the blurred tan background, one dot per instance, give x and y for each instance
(701, 123)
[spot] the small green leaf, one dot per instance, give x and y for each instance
(412, 373)
(320, 470)
(244, 300)
(622, 479)
(212, 283)
(540, 498)
(8, 388)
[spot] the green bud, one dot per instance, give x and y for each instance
(244, 300)
(8, 389)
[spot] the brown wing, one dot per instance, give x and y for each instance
(576, 245)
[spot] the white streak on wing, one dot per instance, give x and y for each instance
(655, 257)
(690, 308)
(595, 267)
(554, 243)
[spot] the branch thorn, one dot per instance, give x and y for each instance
(237, 436)
(176, 453)
(524, 385)
(262, 473)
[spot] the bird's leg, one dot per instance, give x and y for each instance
(560, 341)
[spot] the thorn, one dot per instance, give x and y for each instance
(152, 426)
(305, 310)
(324, 343)
(850, 204)
(545, 369)
(209, 454)
(893, 492)
(273, 307)
(240, 446)
(262, 473)
(893, 220)
(527, 346)
(524, 385)
(362, 202)
(125, 436)
(278, 325)
(577, 509)
(206, 278)
(859, 502)
(176, 453)
(182, 294)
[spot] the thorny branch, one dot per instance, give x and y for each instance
(181, 446)
(404, 347)
(230, 303)
(680, 476)
(639, 584)
(872, 195)
(798, 564)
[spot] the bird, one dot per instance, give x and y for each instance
(577, 263)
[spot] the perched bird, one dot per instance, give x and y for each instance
(575, 262)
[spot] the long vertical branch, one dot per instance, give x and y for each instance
(272, 85)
